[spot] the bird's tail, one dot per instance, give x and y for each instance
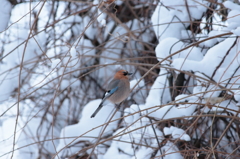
(97, 110)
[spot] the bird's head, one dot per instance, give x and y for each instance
(122, 74)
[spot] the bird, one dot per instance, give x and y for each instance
(117, 90)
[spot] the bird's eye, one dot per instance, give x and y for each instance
(125, 73)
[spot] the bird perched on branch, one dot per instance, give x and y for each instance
(117, 91)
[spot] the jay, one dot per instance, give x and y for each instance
(117, 91)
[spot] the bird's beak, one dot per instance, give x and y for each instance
(129, 74)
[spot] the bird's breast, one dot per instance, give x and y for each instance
(121, 94)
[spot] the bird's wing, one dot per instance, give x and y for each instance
(112, 88)
(113, 84)
(109, 93)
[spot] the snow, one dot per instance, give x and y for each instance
(213, 41)
(101, 18)
(161, 24)
(143, 153)
(160, 83)
(73, 52)
(170, 151)
(6, 136)
(177, 17)
(33, 128)
(236, 31)
(211, 59)
(177, 133)
(5, 11)
(21, 53)
(231, 5)
(103, 22)
(134, 82)
(137, 91)
(233, 19)
(88, 128)
(185, 98)
(55, 63)
(119, 2)
(169, 46)
(124, 145)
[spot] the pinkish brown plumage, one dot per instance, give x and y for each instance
(117, 91)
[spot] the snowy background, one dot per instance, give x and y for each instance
(58, 56)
